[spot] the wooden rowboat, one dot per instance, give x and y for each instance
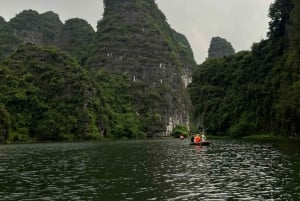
(204, 143)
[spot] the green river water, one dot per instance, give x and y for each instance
(167, 169)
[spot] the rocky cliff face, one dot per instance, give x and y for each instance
(219, 47)
(134, 39)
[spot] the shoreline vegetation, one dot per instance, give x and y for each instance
(59, 82)
(255, 137)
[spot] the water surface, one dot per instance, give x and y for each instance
(150, 170)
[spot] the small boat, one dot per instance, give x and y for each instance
(204, 143)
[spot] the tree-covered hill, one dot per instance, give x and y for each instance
(46, 95)
(255, 91)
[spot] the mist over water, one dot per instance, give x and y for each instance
(150, 170)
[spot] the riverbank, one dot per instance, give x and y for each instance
(257, 137)
(261, 137)
(265, 137)
(34, 140)
(270, 137)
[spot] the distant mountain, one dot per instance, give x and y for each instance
(220, 47)
(46, 29)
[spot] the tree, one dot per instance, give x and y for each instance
(4, 123)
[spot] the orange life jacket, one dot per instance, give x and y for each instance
(197, 139)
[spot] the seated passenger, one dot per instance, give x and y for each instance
(197, 139)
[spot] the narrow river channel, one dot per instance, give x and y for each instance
(168, 169)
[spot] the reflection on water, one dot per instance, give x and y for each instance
(150, 170)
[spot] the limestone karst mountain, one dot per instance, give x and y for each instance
(45, 29)
(219, 47)
(134, 39)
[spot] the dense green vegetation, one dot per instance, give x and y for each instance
(180, 130)
(44, 92)
(47, 95)
(68, 82)
(257, 91)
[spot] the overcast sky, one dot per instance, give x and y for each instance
(241, 22)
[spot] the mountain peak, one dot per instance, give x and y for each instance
(220, 47)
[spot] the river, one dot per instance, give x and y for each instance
(168, 169)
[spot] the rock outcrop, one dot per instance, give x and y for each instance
(219, 47)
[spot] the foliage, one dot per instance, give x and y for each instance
(4, 123)
(76, 37)
(257, 91)
(41, 94)
(180, 130)
(8, 41)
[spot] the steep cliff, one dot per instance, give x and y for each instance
(134, 39)
(219, 47)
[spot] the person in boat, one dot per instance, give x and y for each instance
(197, 138)
(203, 137)
(192, 138)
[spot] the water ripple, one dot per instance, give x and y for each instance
(149, 170)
